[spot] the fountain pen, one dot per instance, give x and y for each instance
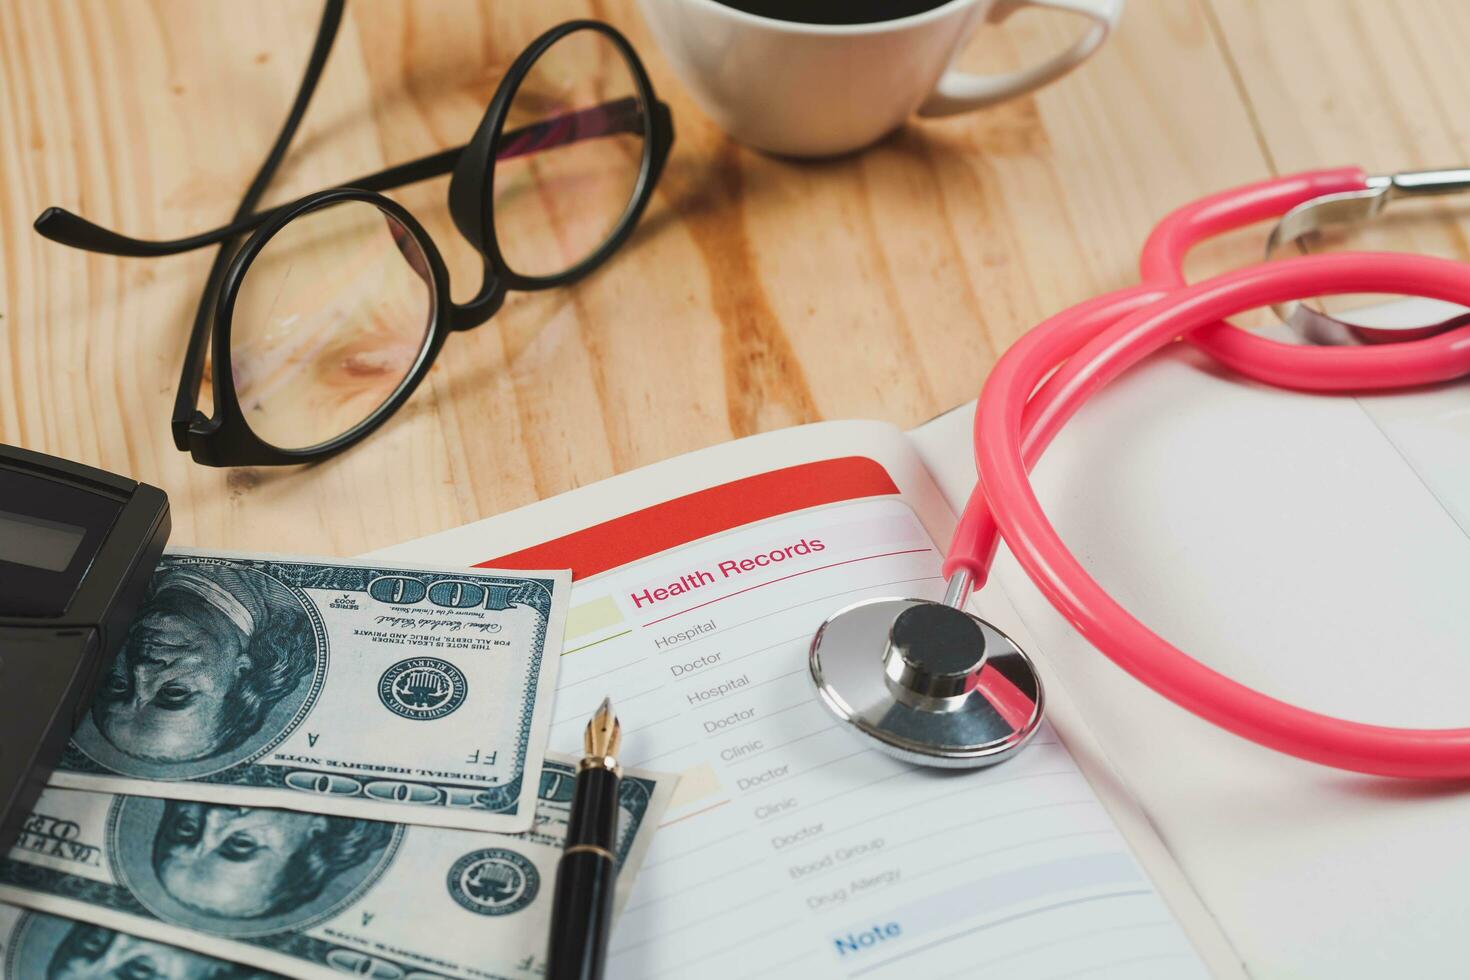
(581, 907)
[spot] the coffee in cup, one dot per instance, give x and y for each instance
(810, 79)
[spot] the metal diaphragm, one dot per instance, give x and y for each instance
(926, 682)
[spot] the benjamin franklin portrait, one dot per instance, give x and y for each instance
(229, 862)
(88, 952)
(213, 649)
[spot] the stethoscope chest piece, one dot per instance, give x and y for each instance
(927, 682)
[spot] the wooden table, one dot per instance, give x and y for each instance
(758, 293)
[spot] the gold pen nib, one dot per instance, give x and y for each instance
(604, 734)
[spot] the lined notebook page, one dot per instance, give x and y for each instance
(791, 847)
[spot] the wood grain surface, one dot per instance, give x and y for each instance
(757, 292)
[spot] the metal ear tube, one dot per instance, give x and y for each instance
(1358, 207)
(926, 681)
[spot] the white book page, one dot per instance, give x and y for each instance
(1315, 547)
(791, 848)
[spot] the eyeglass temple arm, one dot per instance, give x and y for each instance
(609, 118)
(67, 228)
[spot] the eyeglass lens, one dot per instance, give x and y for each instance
(330, 320)
(571, 153)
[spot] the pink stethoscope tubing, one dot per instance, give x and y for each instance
(1048, 374)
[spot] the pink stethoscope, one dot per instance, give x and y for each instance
(947, 688)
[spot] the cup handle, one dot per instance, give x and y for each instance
(959, 91)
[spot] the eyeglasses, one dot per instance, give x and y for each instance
(326, 319)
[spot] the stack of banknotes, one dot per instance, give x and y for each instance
(311, 769)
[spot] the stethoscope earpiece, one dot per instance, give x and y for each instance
(926, 682)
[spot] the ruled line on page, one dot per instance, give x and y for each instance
(1029, 913)
(575, 716)
(785, 578)
(807, 602)
(694, 922)
(931, 799)
(1075, 937)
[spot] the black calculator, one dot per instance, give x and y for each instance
(77, 548)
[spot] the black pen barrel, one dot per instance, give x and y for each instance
(581, 907)
(594, 816)
(581, 912)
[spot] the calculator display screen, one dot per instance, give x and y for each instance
(37, 542)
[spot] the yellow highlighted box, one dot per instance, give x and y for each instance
(592, 617)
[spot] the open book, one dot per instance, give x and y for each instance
(1316, 547)
(790, 847)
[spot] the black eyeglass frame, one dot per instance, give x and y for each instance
(226, 438)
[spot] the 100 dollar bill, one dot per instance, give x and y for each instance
(301, 894)
(378, 691)
(642, 798)
(34, 945)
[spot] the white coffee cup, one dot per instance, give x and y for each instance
(816, 89)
